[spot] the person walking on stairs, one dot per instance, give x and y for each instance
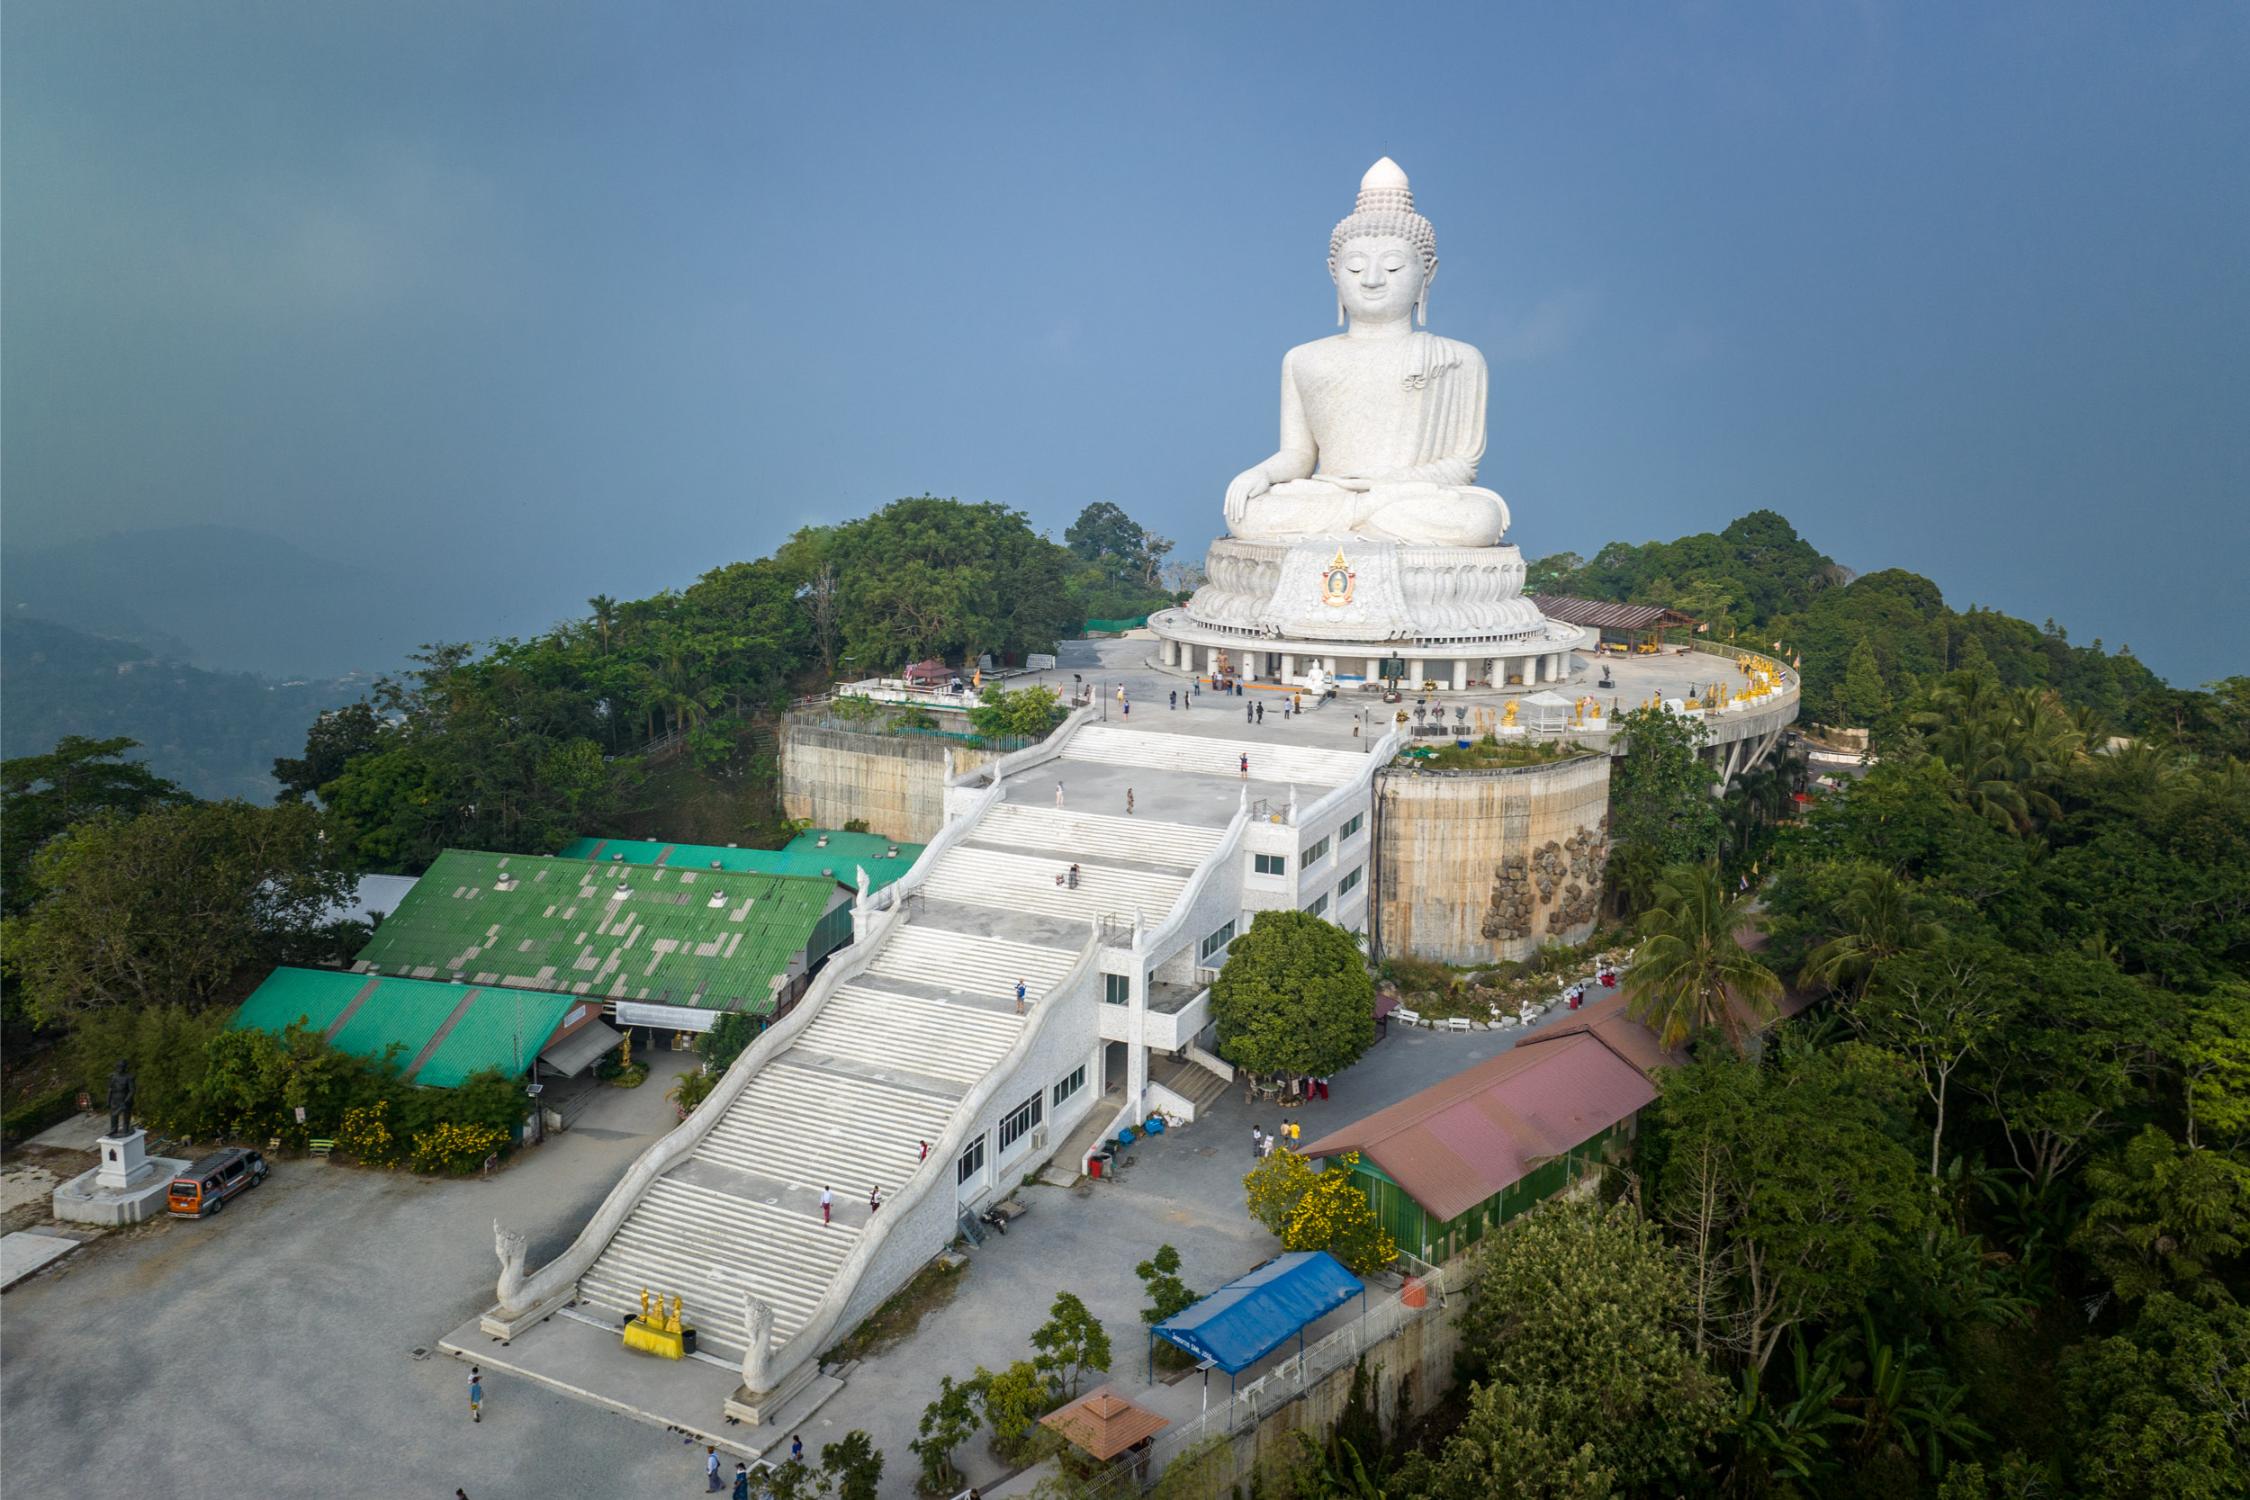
(1128, 802)
(1245, 765)
(874, 1197)
(827, 1203)
(925, 1156)
(1058, 796)
(476, 1394)
(1019, 997)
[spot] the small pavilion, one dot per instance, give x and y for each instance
(1105, 1424)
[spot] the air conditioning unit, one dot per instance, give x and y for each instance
(1039, 1139)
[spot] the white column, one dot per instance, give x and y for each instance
(1288, 666)
(1414, 670)
(1460, 677)
(1136, 1051)
(1374, 668)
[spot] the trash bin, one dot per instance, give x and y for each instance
(1155, 1125)
(1093, 1166)
(687, 1340)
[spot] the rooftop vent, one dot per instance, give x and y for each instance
(821, 842)
(717, 865)
(891, 853)
(615, 857)
(718, 899)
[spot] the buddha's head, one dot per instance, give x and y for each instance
(1384, 255)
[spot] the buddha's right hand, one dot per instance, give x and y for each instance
(1248, 486)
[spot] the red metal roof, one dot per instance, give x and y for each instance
(1457, 1143)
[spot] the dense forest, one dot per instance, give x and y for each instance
(1867, 642)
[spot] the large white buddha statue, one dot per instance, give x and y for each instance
(1382, 425)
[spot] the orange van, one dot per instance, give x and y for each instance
(205, 1187)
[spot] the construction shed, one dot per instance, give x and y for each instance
(664, 947)
(1618, 627)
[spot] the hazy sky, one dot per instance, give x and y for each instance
(536, 301)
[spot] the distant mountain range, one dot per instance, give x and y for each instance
(229, 599)
(215, 733)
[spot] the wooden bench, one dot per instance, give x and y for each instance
(320, 1148)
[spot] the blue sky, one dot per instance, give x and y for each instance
(535, 301)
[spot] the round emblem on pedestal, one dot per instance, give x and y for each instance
(1336, 582)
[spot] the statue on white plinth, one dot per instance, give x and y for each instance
(1382, 425)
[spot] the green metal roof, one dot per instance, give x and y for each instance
(315, 996)
(473, 1027)
(845, 854)
(717, 940)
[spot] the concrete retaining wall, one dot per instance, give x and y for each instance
(1486, 866)
(895, 783)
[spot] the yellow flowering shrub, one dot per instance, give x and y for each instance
(1332, 1214)
(455, 1148)
(365, 1135)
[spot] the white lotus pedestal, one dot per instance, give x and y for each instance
(1309, 610)
(128, 1187)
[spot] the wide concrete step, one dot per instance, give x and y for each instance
(1094, 836)
(969, 964)
(1016, 882)
(711, 1248)
(1269, 761)
(884, 1030)
(814, 1129)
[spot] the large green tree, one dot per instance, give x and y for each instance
(1690, 971)
(1662, 810)
(1294, 997)
(42, 795)
(1787, 1189)
(178, 903)
(2160, 1410)
(1579, 1311)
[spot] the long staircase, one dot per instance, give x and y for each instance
(880, 1066)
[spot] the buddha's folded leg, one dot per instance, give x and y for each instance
(1298, 507)
(1434, 516)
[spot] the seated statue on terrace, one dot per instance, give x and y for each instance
(1382, 425)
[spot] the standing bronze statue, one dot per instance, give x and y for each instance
(121, 1099)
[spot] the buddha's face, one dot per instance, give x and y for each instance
(1379, 280)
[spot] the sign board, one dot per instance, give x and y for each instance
(665, 1017)
(300, 1114)
(1039, 661)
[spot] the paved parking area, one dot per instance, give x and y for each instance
(272, 1351)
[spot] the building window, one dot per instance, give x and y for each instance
(1352, 825)
(1316, 852)
(1269, 864)
(1020, 1120)
(1320, 904)
(1217, 940)
(1070, 1085)
(1350, 882)
(1117, 989)
(972, 1162)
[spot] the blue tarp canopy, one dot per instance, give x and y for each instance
(1250, 1317)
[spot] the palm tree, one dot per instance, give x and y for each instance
(1875, 919)
(1691, 970)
